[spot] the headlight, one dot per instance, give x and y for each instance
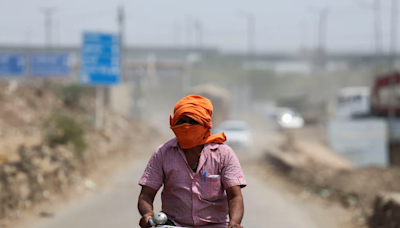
(287, 118)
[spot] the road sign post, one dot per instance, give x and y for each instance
(99, 112)
(101, 66)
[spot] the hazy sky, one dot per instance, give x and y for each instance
(281, 25)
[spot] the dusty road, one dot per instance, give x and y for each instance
(116, 207)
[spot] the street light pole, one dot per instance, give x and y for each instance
(393, 32)
(176, 35)
(251, 33)
(244, 89)
(194, 32)
(323, 23)
(121, 28)
(377, 33)
(188, 31)
(319, 59)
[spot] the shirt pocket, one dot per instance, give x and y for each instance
(212, 188)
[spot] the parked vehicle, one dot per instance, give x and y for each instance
(382, 99)
(237, 132)
(385, 95)
(286, 118)
(353, 102)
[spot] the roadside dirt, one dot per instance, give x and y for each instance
(307, 163)
(35, 175)
(100, 174)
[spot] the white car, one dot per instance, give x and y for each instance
(237, 133)
(286, 118)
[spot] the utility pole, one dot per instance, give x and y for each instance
(322, 29)
(303, 36)
(319, 59)
(393, 55)
(176, 35)
(188, 31)
(121, 29)
(48, 19)
(194, 32)
(251, 34)
(377, 31)
(393, 32)
(28, 35)
(244, 87)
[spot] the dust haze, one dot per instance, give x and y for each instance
(307, 93)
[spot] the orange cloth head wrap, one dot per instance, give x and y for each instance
(200, 109)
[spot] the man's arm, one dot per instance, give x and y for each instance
(236, 207)
(145, 205)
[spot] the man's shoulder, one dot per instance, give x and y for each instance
(222, 153)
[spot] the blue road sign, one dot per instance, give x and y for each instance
(49, 65)
(12, 64)
(100, 59)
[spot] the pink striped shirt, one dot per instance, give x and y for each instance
(194, 199)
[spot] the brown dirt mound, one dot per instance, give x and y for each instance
(31, 172)
(364, 183)
(329, 177)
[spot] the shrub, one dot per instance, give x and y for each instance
(70, 95)
(62, 129)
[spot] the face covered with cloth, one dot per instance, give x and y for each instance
(199, 109)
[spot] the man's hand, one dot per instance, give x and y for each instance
(233, 224)
(144, 221)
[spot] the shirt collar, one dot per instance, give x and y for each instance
(213, 146)
(175, 143)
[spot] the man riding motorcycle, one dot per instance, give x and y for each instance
(201, 175)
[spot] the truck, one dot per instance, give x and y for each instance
(385, 95)
(378, 100)
(219, 97)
